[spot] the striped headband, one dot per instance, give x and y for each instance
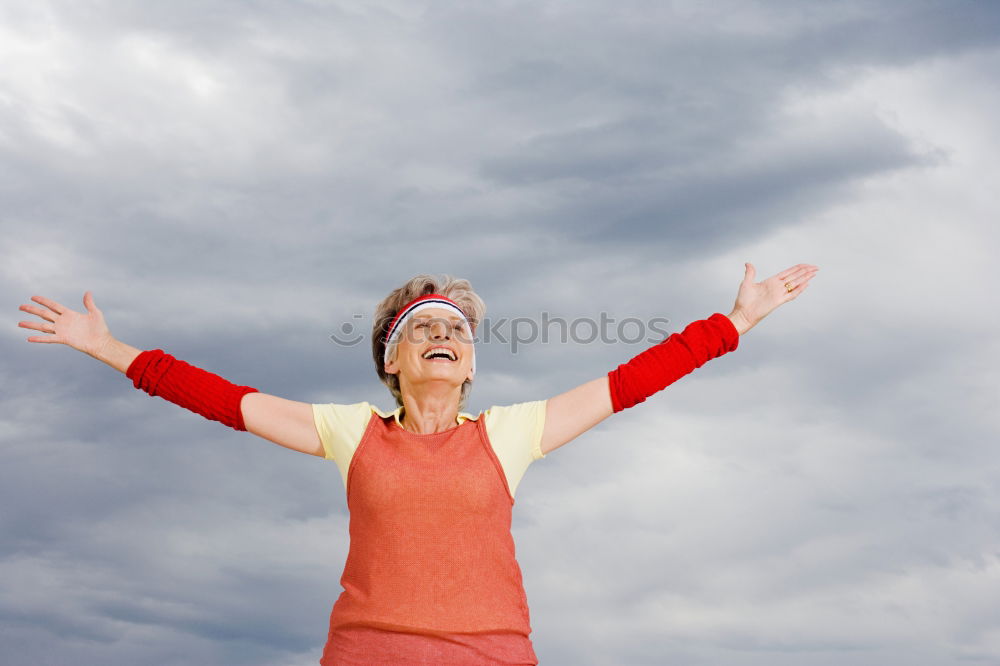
(416, 305)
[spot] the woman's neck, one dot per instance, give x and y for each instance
(429, 414)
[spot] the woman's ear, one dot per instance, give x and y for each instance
(391, 367)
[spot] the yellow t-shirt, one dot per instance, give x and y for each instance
(514, 431)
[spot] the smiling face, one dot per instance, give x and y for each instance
(435, 345)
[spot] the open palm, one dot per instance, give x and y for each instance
(756, 300)
(86, 332)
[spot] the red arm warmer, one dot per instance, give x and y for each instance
(183, 384)
(666, 362)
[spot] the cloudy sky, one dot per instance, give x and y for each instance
(236, 181)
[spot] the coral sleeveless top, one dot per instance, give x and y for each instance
(431, 551)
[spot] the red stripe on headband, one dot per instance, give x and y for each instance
(417, 301)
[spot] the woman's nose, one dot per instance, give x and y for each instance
(439, 330)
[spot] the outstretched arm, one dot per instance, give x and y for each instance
(570, 414)
(284, 422)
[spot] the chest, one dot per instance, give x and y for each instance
(396, 475)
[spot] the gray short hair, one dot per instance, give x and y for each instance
(456, 289)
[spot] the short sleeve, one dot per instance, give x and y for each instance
(340, 428)
(515, 431)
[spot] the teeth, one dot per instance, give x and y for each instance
(441, 350)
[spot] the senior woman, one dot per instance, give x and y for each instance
(431, 576)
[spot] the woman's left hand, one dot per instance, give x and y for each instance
(756, 300)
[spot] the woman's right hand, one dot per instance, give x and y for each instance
(85, 332)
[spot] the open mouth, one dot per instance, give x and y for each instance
(440, 355)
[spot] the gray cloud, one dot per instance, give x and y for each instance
(235, 181)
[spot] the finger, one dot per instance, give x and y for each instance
(794, 293)
(805, 276)
(790, 271)
(794, 283)
(50, 304)
(47, 339)
(44, 328)
(88, 302)
(31, 309)
(750, 274)
(795, 276)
